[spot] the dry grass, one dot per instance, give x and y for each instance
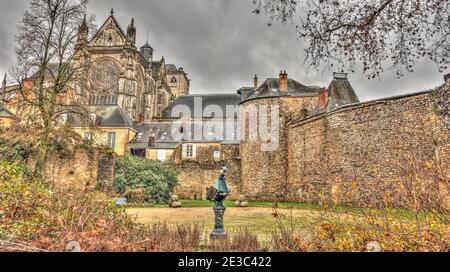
(258, 220)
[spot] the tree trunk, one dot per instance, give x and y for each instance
(42, 152)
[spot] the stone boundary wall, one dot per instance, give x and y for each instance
(264, 174)
(344, 155)
(195, 177)
(81, 169)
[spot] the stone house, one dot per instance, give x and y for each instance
(6, 117)
(113, 128)
(194, 136)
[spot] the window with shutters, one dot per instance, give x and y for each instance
(88, 136)
(189, 151)
(112, 140)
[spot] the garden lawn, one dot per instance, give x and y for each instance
(258, 217)
(259, 220)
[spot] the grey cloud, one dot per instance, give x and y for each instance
(221, 44)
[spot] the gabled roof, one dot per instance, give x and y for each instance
(114, 20)
(271, 88)
(209, 100)
(110, 117)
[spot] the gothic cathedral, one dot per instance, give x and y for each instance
(120, 74)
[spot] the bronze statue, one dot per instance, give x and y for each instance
(218, 193)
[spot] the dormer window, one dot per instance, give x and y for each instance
(88, 137)
(93, 117)
(64, 118)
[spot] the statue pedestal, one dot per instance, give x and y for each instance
(219, 231)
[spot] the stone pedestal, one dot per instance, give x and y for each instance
(219, 231)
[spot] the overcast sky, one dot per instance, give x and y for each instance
(221, 44)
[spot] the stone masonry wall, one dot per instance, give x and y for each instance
(79, 170)
(196, 176)
(264, 174)
(342, 155)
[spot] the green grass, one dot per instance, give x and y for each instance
(398, 213)
(231, 203)
(251, 204)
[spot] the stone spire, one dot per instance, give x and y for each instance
(84, 26)
(83, 32)
(147, 51)
(131, 32)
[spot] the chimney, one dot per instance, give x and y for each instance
(255, 83)
(323, 99)
(446, 77)
(283, 82)
(151, 141)
(340, 76)
(141, 119)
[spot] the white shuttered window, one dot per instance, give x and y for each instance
(189, 151)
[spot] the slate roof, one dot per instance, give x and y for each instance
(209, 100)
(171, 67)
(156, 65)
(271, 88)
(245, 92)
(341, 93)
(110, 116)
(5, 113)
(147, 45)
(164, 134)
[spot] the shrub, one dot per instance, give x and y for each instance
(157, 180)
(22, 200)
(136, 195)
(34, 218)
(14, 151)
